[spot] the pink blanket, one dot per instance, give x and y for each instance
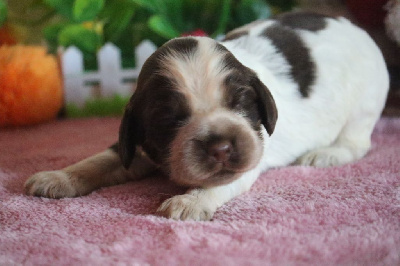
(347, 215)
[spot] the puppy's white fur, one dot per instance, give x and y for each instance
(337, 121)
(331, 127)
(347, 98)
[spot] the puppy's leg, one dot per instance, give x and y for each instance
(101, 170)
(199, 204)
(352, 144)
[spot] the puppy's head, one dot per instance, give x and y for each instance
(198, 113)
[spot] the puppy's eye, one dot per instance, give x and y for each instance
(244, 102)
(243, 97)
(168, 116)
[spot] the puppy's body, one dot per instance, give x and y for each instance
(336, 103)
(300, 88)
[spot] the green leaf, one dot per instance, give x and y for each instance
(150, 5)
(51, 33)
(86, 10)
(259, 9)
(117, 15)
(223, 19)
(63, 7)
(209, 15)
(162, 27)
(141, 31)
(86, 40)
(172, 10)
(3, 12)
(246, 11)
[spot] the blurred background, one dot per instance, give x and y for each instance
(89, 24)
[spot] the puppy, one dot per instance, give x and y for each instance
(300, 88)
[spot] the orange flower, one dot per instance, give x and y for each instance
(30, 86)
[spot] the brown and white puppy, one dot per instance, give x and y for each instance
(206, 113)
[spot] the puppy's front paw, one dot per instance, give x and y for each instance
(186, 207)
(50, 184)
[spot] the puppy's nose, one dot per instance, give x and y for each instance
(220, 151)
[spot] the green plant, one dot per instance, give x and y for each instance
(246, 11)
(3, 12)
(172, 18)
(113, 106)
(88, 24)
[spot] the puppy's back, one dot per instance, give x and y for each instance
(323, 72)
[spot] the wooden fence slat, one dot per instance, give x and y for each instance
(111, 77)
(72, 69)
(143, 51)
(109, 61)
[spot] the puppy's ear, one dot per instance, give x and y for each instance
(266, 105)
(129, 135)
(131, 132)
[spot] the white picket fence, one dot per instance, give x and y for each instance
(110, 77)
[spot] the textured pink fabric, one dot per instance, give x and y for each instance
(347, 215)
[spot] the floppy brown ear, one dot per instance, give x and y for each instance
(130, 135)
(266, 105)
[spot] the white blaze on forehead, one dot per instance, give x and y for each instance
(199, 75)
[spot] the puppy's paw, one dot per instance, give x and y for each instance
(326, 157)
(50, 184)
(186, 207)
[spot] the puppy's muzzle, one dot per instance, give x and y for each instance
(214, 149)
(220, 151)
